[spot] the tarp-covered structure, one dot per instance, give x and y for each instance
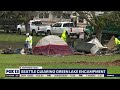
(93, 46)
(52, 45)
(97, 43)
(87, 47)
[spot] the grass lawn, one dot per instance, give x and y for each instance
(15, 41)
(16, 38)
(16, 60)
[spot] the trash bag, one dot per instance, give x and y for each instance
(8, 51)
(22, 51)
(17, 51)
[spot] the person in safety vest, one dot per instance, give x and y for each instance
(117, 42)
(28, 43)
(64, 35)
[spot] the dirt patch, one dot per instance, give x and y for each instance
(5, 44)
(13, 45)
(113, 63)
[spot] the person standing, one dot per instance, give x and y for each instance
(28, 43)
(117, 43)
(64, 35)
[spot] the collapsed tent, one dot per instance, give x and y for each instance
(97, 43)
(87, 47)
(52, 45)
(93, 46)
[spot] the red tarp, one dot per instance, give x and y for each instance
(52, 50)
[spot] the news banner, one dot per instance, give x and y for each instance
(38, 71)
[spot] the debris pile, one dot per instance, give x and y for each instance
(94, 47)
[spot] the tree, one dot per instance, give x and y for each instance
(98, 22)
(59, 14)
(109, 19)
(114, 18)
(25, 16)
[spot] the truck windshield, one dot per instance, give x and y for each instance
(68, 25)
(37, 23)
(57, 25)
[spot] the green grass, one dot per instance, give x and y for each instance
(16, 60)
(15, 41)
(16, 38)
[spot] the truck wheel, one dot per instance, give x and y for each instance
(48, 33)
(33, 32)
(19, 31)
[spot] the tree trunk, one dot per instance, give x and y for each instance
(27, 26)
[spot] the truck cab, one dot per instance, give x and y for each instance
(34, 27)
(59, 27)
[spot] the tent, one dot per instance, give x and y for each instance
(111, 43)
(52, 45)
(97, 43)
